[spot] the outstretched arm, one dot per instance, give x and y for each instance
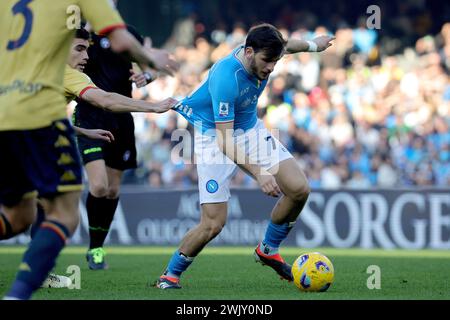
(318, 44)
(115, 102)
(123, 42)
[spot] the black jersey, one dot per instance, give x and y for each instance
(109, 71)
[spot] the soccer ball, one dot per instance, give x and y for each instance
(313, 272)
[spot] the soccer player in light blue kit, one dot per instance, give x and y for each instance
(229, 134)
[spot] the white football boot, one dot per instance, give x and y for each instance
(56, 281)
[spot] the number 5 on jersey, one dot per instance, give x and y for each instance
(22, 8)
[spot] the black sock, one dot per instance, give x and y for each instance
(40, 217)
(95, 210)
(5, 228)
(100, 214)
(105, 220)
(108, 217)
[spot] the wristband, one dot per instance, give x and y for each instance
(148, 76)
(312, 46)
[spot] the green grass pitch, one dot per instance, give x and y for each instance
(227, 273)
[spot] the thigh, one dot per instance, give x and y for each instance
(64, 209)
(48, 159)
(14, 181)
(290, 177)
(263, 148)
(114, 178)
(21, 214)
(97, 174)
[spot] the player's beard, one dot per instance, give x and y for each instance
(254, 70)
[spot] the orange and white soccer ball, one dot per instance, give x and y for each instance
(313, 272)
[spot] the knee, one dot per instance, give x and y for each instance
(98, 190)
(300, 192)
(214, 229)
(22, 223)
(72, 223)
(21, 218)
(70, 220)
(113, 192)
(64, 209)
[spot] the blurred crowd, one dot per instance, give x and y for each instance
(354, 116)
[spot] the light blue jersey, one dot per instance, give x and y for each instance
(229, 93)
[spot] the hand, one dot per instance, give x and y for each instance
(165, 105)
(323, 42)
(163, 61)
(99, 134)
(268, 184)
(140, 79)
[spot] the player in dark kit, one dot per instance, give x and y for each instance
(105, 162)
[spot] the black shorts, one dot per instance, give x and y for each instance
(120, 154)
(43, 162)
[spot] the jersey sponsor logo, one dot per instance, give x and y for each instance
(245, 91)
(92, 150)
(250, 101)
(22, 87)
(246, 102)
(104, 43)
(224, 109)
(212, 186)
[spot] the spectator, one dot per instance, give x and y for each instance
(349, 121)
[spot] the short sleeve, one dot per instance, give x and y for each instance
(224, 90)
(76, 83)
(101, 14)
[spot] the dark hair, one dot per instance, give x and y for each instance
(265, 37)
(82, 34)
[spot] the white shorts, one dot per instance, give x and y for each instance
(215, 170)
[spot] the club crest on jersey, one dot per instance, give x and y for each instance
(126, 155)
(104, 43)
(224, 108)
(212, 186)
